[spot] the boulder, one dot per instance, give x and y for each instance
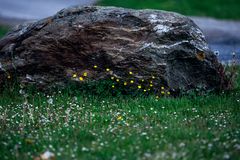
(96, 43)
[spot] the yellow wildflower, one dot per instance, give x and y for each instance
(85, 74)
(151, 82)
(149, 89)
(142, 80)
(162, 92)
(95, 66)
(168, 93)
(157, 97)
(145, 90)
(74, 75)
(131, 72)
(112, 78)
(153, 77)
(139, 87)
(107, 69)
(119, 118)
(125, 83)
(162, 88)
(151, 85)
(117, 80)
(81, 78)
(113, 86)
(132, 81)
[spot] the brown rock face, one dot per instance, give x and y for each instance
(149, 43)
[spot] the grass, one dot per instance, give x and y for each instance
(3, 30)
(74, 124)
(213, 8)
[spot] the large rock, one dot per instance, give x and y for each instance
(148, 43)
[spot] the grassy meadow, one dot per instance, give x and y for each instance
(214, 8)
(76, 124)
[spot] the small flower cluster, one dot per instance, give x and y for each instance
(81, 77)
(146, 86)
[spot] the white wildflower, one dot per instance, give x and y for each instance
(47, 155)
(50, 101)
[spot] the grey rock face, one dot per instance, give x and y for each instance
(148, 43)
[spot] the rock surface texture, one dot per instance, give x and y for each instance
(149, 43)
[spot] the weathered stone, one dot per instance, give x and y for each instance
(149, 43)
